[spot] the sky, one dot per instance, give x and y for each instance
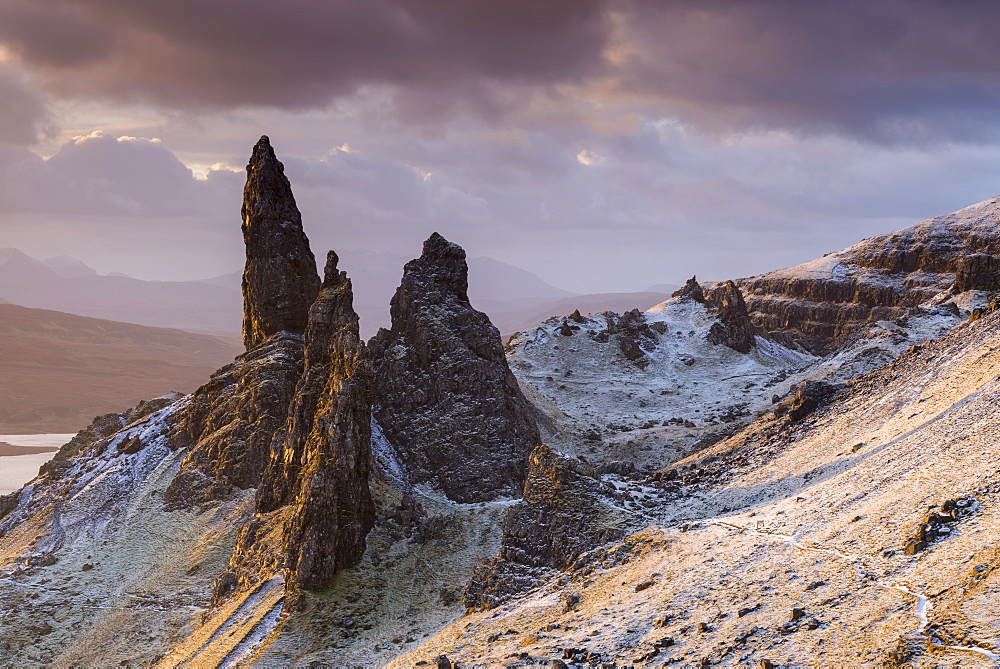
(605, 146)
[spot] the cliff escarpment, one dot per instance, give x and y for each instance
(819, 304)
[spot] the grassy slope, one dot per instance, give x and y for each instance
(58, 371)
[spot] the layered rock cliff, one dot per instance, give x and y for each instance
(280, 279)
(444, 395)
(819, 304)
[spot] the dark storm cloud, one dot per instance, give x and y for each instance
(893, 70)
(296, 53)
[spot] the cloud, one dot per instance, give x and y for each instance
(100, 175)
(22, 110)
(296, 54)
(661, 204)
(895, 71)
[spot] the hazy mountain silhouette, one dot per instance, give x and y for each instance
(68, 285)
(515, 299)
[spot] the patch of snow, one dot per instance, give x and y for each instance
(828, 267)
(387, 459)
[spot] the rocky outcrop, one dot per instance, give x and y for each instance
(230, 424)
(634, 336)
(691, 290)
(733, 328)
(562, 515)
(314, 507)
(806, 398)
(979, 271)
(280, 279)
(101, 428)
(444, 395)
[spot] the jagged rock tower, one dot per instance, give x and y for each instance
(444, 394)
(229, 425)
(280, 279)
(313, 506)
(321, 470)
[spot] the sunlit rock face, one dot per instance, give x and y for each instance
(280, 279)
(979, 271)
(228, 426)
(314, 500)
(444, 394)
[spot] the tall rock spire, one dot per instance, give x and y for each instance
(280, 279)
(314, 507)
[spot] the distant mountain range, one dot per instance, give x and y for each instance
(514, 298)
(68, 285)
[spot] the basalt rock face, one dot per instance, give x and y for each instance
(819, 304)
(314, 507)
(562, 515)
(444, 395)
(280, 279)
(734, 328)
(979, 271)
(229, 423)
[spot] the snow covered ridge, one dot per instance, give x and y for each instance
(684, 389)
(819, 304)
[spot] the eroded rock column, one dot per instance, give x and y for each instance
(280, 279)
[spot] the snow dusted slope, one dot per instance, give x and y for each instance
(92, 569)
(681, 389)
(685, 392)
(792, 544)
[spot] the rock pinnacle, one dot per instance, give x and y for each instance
(280, 279)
